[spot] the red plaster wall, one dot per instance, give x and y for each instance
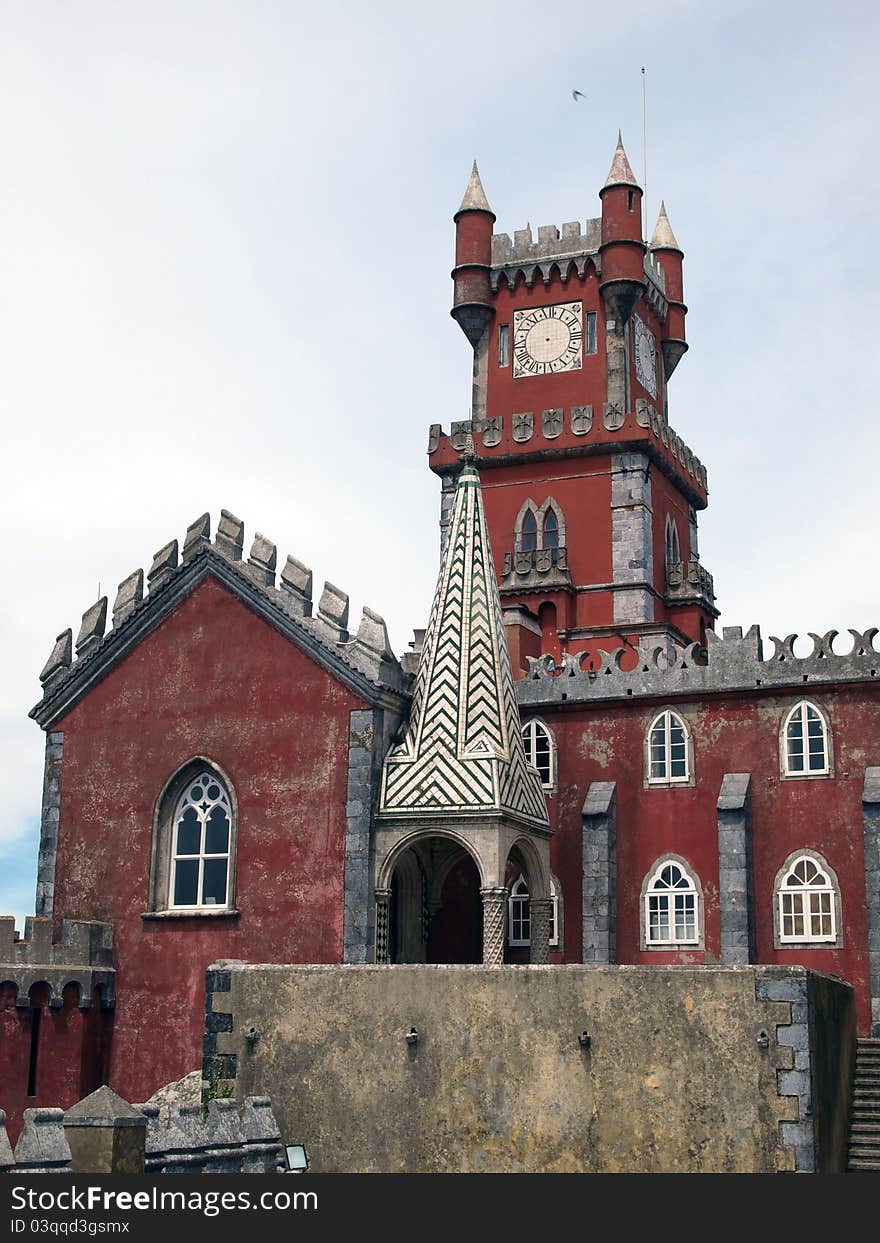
(213, 679)
(731, 734)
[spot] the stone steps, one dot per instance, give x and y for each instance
(863, 1154)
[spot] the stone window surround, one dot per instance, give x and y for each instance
(540, 513)
(672, 946)
(828, 771)
(666, 783)
(548, 786)
(163, 835)
(822, 863)
(672, 543)
(556, 943)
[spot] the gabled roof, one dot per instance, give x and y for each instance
(364, 662)
(463, 750)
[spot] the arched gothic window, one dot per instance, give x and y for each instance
(540, 751)
(551, 529)
(672, 912)
(201, 836)
(529, 532)
(519, 918)
(673, 547)
(668, 750)
(806, 742)
(808, 901)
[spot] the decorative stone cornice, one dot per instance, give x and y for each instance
(365, 662)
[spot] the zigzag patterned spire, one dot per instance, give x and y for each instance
(463, 751)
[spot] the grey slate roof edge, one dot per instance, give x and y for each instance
(160, 602)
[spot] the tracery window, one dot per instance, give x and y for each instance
(806, 750)
(551, 529)
(539, 526)
(540, 751)
(200, 846)
(529, 536)
(519, 917)
(672, 914)
(668, 750)
(673, 546)
(808, 901)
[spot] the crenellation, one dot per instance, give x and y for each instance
(91, 631)
(732, 662)
(198, 536)
(230, 536)
(59, 661)
(128, 596)
(296, 581)
(83, 956)
(165, 562)
(262, 561)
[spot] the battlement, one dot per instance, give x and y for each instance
(573, 432)
(367, 651)
(733, 662)
(83, 956)
(564, 249)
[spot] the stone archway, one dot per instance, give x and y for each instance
(434, 903)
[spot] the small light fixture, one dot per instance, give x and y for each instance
(584, 1041)
(763, 1040)
(412, 1037)
(297, 1158)
(251, 1036)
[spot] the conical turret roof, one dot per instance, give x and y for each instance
(664, 238)
(620, 173)
(463, 752)
(475, 196)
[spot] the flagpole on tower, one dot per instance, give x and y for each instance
(645, 148)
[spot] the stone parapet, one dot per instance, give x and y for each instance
(733, 662)
(83, 956)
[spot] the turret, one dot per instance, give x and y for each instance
(668, 254)
(623, 247)
(472, 303)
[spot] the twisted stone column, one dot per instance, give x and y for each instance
(383, 897)
(541, 915)
(494, 924)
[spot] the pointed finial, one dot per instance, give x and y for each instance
(475, 196)
(664, 238)
(620, 172)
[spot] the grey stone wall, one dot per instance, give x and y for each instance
(735, 869)
(49, 823)
(357, 932)
(599, 842)
(686, 1069)
(632, 553)
(871, 826)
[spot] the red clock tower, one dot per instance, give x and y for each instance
(590, 496)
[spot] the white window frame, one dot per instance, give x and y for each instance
(664, 719)
(519, 898)
(530, 730)
(805, 910)
(205, 777)
(554, 915)
(519, 893)
(802, 710)
(652, 891)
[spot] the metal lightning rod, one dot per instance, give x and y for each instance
(645, 149)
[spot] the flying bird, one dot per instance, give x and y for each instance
(576, 95)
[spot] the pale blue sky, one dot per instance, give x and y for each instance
(225, 244)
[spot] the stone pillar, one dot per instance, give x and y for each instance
(632, 538)
(106, 1135)
(363, 726)
(42, 1147)
(615, 361)
(734, 870)
(541, 911)
(494, 924)
(871, 828)
(49, 823)
(7, 1161)
(383, 899)
(599, 838)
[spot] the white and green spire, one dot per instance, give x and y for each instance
(463, 750)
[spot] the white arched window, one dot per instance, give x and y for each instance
(672, 914)
(668, 750)
(540, 751)
(519, 917)
(805, 743)
(200, 845)
(808, 900)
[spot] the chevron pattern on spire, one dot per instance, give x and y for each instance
(463, 750)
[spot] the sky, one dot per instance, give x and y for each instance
(225, 244)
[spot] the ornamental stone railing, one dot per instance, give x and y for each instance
(687, 581)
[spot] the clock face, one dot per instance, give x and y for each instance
(548, 339)
(645, 349)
